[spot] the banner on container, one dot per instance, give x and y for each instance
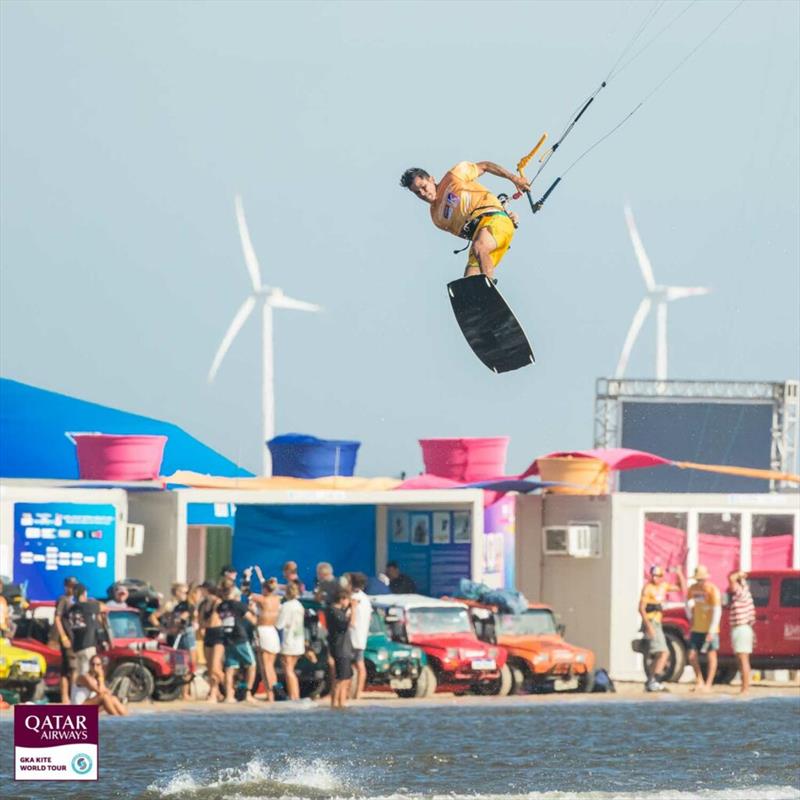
(53, 541)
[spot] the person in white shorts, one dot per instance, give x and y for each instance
(742, 619)
(359, 630)
(267, 606)
(290, 623)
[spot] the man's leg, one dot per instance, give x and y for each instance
(712, 668)
(744, 671)
(694, 663)
(480, 260)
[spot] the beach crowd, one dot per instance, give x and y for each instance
(233, 630)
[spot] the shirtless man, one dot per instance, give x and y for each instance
(267, 606)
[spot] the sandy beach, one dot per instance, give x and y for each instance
(627, 692)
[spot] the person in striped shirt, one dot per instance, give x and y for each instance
(742, 618)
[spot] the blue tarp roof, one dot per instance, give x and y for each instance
(33, 444)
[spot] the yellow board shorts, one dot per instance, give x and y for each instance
(502, 229)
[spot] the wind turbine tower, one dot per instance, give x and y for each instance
(656, 294)
(269, 297)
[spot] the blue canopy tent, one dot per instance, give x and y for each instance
(33, 441)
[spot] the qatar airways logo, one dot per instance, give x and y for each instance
(55, 743)
(59, 727)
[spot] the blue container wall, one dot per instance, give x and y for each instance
(272, 535)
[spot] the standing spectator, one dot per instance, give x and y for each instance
(361, 610)
(90, 689)
(290, 576)
(704, 604)
(210, 625)
(119, 596)
(398, 582)
(268, 606)
(291, 622)
(340, 624)
(651, 608)
(743, 617)
(229, 572)
(326, 583)
(82, 620)
(177, 619)
(238, 653)
(67, 656)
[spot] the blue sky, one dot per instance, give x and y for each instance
(127, 129)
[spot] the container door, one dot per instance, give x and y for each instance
(219, 547)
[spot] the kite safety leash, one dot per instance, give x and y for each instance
(615, 70)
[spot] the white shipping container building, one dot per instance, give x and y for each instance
(586, 555)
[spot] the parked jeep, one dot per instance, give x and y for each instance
(776, 596)
(21, 670)
(538, 656)
(457, 660)
(395, 666)
(139, 666)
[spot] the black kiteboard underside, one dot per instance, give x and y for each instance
(488, 324)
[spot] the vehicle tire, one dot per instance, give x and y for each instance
(141, 683)
(424, 686)
(517, 680)
(32, 694)
(499, 687)
(168, 692)
(586, 682)
(725, 674)
(676, 663)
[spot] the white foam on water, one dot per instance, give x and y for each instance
(751, 793)
(294, 772)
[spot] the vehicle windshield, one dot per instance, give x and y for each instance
(438, 620)
(534, 622)
(376, 623)
(125, 626)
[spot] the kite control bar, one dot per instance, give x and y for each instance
(523, 162)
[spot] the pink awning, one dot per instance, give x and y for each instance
(614, 457)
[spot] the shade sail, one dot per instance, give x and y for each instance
(614, 457)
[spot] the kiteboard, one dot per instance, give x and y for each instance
(488, 324)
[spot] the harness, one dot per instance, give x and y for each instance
(469, 229)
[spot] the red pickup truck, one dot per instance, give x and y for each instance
(776, 595)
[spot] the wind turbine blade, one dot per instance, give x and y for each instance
(661, 341)
(679, 292)
(247, 246)
(282, 301)
(633, 332)
(638, 248)
(236, 325)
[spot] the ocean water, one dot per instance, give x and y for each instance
(674, 750)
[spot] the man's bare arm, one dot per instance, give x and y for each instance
(523, 184)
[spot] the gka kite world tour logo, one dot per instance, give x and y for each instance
(55, 743)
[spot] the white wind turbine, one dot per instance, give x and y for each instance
(660, 295)
(270, 297)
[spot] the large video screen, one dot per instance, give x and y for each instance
(736, 434)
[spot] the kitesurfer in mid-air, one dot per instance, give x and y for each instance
(462, 206)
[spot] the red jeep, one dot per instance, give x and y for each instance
(776, 595)
(458, 661)
(148, 668)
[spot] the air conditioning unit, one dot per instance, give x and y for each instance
(578, 540)
(134, 540)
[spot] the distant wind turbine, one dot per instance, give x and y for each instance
(270, 297)
(660, 295)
